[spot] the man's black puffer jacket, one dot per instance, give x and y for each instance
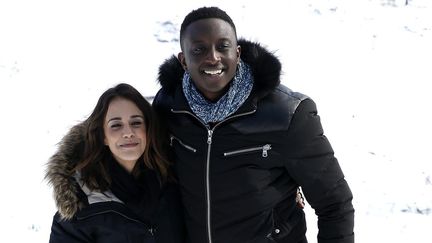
(239, 177)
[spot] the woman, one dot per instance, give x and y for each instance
(111, 178)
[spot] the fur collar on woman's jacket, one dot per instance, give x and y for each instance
(60, 174)
(266, 68)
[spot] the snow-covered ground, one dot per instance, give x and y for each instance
(367, 64)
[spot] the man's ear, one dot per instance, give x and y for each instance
(182, 60)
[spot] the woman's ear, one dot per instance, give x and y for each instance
(182, 60)
(238, 53)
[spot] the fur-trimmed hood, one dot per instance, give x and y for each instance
(266, 68)
(69, 190)
(60, 172)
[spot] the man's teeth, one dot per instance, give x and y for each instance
(213, 72)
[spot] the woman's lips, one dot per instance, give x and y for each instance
(128, 145)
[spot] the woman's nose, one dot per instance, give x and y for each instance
(127, 132)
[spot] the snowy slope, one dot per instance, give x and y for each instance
(365, 63)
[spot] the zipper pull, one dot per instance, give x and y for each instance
(209, 137)
(265, 148)
(171, 140)
(152, 230)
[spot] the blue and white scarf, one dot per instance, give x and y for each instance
(239, 90)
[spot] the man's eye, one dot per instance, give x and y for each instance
(197, 50)
(224, 46)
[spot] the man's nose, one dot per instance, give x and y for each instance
(213, 55)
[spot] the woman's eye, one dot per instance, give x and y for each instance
(136, 123)
(116, 126)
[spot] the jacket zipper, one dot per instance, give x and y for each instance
(209, 143)
(264, 150)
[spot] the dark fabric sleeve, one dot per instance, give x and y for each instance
(169, 217)
(160, 100)
(161, 112)
(63, 231)
(312, 164)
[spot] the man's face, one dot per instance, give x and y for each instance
(210, 54)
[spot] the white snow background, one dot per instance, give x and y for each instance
(367, 64)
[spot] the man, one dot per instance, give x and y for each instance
(243, 143)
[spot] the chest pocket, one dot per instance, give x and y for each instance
(263, 149)
(175, 140)
(262, 157)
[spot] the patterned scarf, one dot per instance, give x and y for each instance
(239, 91)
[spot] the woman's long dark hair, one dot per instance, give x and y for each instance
(94, 165)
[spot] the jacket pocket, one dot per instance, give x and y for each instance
(258, 149)
(269, 236)
(174, 139)
(292, 229)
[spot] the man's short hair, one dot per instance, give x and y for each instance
(205, 13)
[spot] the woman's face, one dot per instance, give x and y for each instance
(125, 132)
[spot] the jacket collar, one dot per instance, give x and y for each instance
(180, 103)
(67, 185)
